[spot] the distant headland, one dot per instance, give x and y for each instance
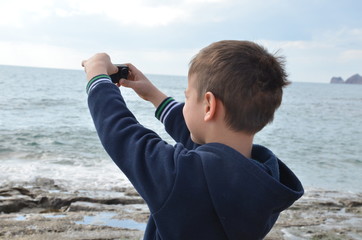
(355, 79)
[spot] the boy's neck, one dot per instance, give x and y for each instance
(240, 141)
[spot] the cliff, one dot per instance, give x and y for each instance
(355, 79)
(337, 80)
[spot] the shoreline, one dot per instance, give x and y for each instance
(43, 210)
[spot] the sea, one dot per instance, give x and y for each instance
(46, 131)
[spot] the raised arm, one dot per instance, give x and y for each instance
(168, 111)
(142, 86)
(148, 161)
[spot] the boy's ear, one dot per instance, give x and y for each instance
(209, 106)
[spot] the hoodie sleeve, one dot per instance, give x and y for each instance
(169, 112)
(147, 160)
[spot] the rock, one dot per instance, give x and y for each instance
(39, 211)
(355, 79)
(321, 215)
(337, 80)
(45, 197)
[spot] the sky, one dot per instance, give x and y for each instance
(319, 38)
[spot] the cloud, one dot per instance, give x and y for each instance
(352, 55)
(160, 36)
(146, 13)
(125, 13)
(326, 54)
(18, 13)
(36, 55)
(172, 62)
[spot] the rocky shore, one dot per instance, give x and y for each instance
(44, 210)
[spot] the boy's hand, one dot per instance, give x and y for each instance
(100, 63)
(142, 86)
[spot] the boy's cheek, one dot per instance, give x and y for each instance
(184, 112)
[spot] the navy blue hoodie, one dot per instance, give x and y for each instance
(193, 192)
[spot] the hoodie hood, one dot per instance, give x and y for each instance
(248, 201)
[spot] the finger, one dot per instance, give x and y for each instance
(133, 69)
(113, 70)
(126, 83)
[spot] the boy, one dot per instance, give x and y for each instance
(214, 183)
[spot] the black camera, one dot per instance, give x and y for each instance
(122, 73)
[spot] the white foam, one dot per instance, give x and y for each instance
(105, 176)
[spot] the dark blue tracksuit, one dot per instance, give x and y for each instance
(193, 192)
